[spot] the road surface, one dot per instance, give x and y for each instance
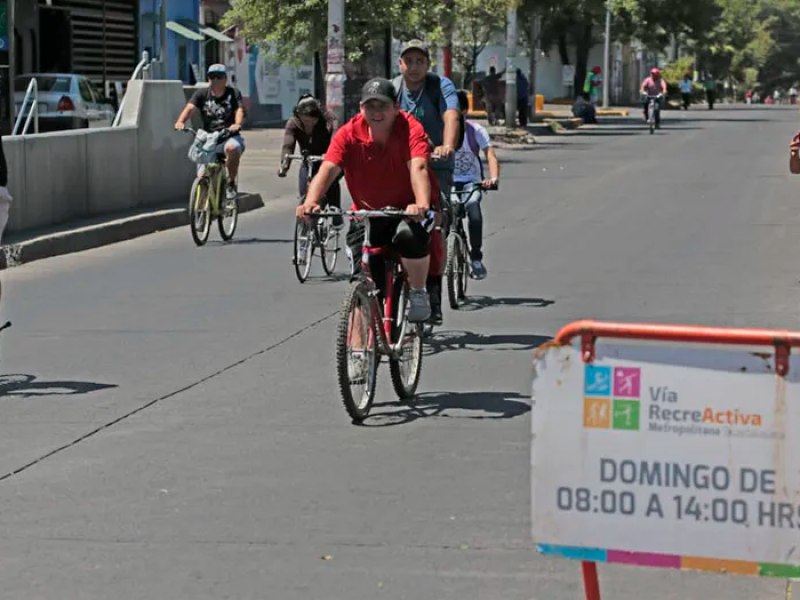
(169, 421)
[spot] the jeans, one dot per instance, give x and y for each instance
(334, 194)
(474, 218)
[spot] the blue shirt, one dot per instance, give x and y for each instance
(421, 106)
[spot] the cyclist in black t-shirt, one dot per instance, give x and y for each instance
(220, 107)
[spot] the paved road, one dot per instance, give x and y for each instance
(170, 426)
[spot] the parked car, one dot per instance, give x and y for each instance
(66, 101)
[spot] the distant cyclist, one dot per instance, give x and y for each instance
(469, 174)
(311, 128)
(653, 86)
(221, 108)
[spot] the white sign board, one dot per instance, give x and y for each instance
(568, 75)
(669, 457)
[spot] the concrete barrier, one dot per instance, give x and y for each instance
(63, 176)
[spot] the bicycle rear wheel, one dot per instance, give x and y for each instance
(357, 368)
(303, 249)
(454, 268)
(405, 370)
(199, 212)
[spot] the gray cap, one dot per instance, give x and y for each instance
(217, 68)
(415, 45)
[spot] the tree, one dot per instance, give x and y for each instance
(476, 21)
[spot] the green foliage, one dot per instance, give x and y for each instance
(675, 72)
(475, 21)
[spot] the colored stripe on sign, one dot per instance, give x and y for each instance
(671, 561)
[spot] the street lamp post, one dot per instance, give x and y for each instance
(607, 55)
(511, 71)
(334, 79)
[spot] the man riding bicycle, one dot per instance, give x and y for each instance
(384, 154)
(432, 100)
(311, 128)
(221, 108)
(468, 174)
(653, 86)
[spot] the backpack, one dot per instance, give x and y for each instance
(472, 141)
(433, 87)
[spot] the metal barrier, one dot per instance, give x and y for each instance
(143, 71)
(32, 93)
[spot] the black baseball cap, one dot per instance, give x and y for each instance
(415, 45)
(378, 89)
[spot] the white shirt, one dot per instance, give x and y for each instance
(468, 166)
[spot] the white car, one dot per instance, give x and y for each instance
(66, 101)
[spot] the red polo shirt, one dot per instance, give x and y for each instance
(378, 176)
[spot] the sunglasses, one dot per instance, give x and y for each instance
(216, 76)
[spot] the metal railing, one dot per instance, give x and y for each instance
(32, 94)
(142, 71)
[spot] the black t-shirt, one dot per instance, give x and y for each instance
(218, 112)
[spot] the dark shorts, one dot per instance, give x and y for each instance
(381, 233)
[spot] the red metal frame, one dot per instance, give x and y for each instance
(588, 331)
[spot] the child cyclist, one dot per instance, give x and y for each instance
(468, 175)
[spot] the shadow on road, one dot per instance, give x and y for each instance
(449, 405)
(473, 303)
(252, 240)
(27, 386)
(444, 341)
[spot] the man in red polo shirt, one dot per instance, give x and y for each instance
(384, 154)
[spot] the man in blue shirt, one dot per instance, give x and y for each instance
(433, 101)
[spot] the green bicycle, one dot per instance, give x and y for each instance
(208, 198)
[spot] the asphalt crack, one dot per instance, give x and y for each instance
(172, 394)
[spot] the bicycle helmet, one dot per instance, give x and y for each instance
(655, 72)
(308, 106)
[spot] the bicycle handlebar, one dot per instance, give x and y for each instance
(368, 213)
(482, 186)
(309, 158)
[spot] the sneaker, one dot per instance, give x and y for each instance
(478, 270)
(436, 318)
(419, 306)
(231, 191)
(357, 367)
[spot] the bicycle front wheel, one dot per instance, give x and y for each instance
(228, 216)
(407, 340)
(453, 269)
(303, 249)
(199, 213)
(330, 248)
(357, 352)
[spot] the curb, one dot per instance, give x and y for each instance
(104, 234)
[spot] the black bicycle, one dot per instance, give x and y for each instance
(317, 236)
(457, 267)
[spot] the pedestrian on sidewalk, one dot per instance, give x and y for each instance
(523, 98)
(492, 98)
(686, 90)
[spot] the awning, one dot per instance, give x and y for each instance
(184, 31)
(213, 33)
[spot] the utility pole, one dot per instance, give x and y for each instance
(511, 71)
(334, 90)
(535, 50)
(607, 55)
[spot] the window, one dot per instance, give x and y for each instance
(44, 83)
(86, 91)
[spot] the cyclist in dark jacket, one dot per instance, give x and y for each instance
(311, 127)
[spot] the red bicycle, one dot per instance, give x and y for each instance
(371, 327)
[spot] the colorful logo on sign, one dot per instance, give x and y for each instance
(612, 398)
